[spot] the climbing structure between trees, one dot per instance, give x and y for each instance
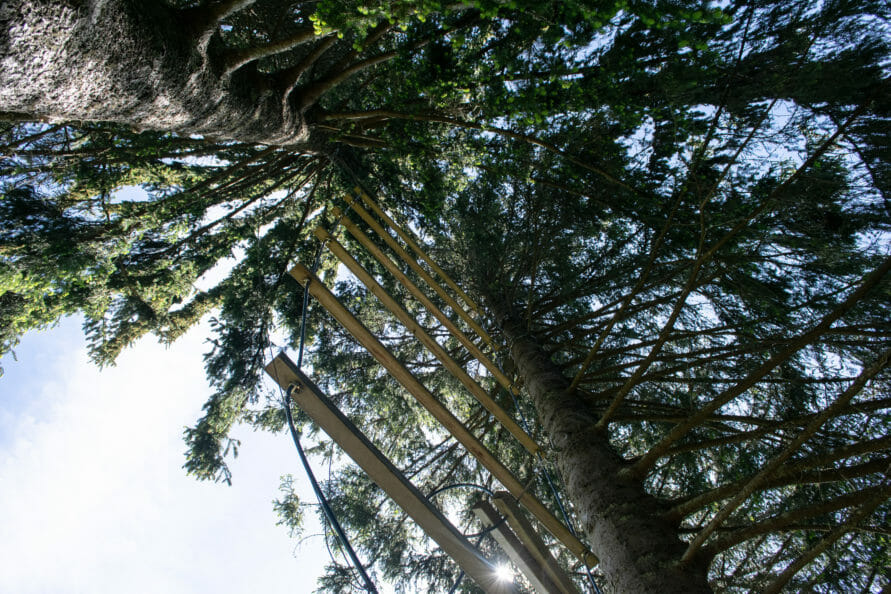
(513, 532)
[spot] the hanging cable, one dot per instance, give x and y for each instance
(461, 485)
(295, 436)
(314, 269)
(323, 501)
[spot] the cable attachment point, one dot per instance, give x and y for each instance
(515, 386)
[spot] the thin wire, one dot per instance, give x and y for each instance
(323, 501)
(315, 267)
(340, 548)
(464, 485)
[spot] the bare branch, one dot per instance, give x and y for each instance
(785, 521)
(631, 295)
(793, 474)
(853, 520)
(9, 148)
(206, 19)
(291, 76)
(235, 59)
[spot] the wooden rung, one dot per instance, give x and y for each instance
(398, 371)
(413, 264)
(407, 238)
(393, 269)
(516, 551)
(434, 347)
(506, 506)
(394, 483)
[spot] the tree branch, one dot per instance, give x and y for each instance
(205, 19)
(481, 127)
(631, 295)
(853, 520)
(869, 281)
(289, 78)
(235, 59)
(761, 477)
(797, 473)
(784, 521)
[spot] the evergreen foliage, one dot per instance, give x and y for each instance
(685, 205)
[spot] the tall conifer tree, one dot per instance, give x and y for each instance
(675, 216)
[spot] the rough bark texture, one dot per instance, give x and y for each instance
(132, 62)
(638, 551)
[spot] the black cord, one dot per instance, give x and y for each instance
(323, 501)
(295, 436)
(461, 485)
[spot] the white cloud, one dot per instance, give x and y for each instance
(92, 494)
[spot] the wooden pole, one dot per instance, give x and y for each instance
(506, 506)
(413, 264)
(434, 347)
(315, 287)
(391, 267)
(327, 416)
(407, 238)
(516, 552)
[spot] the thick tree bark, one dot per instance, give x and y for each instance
(638, 550)
(133, 62)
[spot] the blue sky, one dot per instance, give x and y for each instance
(92, 494)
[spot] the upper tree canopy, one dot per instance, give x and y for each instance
(685, 204)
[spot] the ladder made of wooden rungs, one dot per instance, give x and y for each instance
(315, 287)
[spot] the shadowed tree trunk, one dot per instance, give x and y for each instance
(638, 550)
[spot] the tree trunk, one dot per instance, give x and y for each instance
(638, 550)
(133, 62)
